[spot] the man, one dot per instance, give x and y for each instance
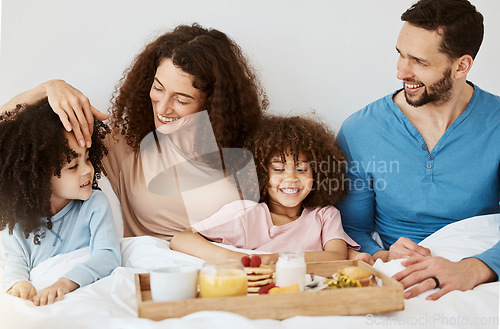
(427, 155)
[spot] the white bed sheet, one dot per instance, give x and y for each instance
(111, 303)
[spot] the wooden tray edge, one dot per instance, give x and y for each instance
(311, 304)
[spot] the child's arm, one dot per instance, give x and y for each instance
(14, 264)
(335, 249)
(195, 244)
(22, 289)
(54, 292)
(97, 225)
(362, 256)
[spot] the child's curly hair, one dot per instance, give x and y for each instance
(234, 98)
(279, 135)
(33, 149)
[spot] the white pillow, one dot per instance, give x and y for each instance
(465, 238)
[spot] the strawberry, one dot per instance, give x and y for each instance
(266, 288)
(255, 261)
(245, 260)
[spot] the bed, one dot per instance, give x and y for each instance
(111, 301)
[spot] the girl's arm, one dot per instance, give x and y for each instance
(362, 256)
(22, 289)
(335, 249)
(55, 292)
(194, 244)
(14, 264)
(97, 225)
(72, 107)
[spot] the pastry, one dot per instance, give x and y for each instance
(358, 274)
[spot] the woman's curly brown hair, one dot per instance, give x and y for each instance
(33, 149)
(279, 135)
(234, 99)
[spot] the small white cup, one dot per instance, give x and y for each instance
(173, 283)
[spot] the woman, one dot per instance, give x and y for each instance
(183, 72)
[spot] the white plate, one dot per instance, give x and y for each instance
(322, 285)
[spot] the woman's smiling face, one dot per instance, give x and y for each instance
(172, 94)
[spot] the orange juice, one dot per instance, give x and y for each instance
(223, 282)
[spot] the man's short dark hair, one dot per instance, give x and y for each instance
(457, 21)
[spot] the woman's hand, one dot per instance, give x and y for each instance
(462, 275)
(54, 292)
(73, 108)
(22, 289)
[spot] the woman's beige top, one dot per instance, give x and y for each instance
(175, 204)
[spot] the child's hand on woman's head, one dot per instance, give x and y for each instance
(54, 292)
(22, 289)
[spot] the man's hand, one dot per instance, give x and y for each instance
(22, 289)
(462, 275)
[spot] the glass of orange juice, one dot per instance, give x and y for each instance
(223, 279)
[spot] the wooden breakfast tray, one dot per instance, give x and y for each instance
(348, 301)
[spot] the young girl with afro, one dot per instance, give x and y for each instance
(300, 171)
(49, 203)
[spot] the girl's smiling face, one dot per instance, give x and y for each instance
(76, 178)
(172, 94)
(289, 183)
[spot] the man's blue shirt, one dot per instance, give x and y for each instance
(399, 188)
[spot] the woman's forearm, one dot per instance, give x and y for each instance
(31, 96)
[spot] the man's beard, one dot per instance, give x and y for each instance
(439, 92)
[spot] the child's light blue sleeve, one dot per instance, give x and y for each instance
(105, 253)
(13, 259)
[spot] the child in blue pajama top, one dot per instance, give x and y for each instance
(49, 204)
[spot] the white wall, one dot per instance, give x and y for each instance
(328, 55)
(0, 26)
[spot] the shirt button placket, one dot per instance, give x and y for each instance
(429, 165)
